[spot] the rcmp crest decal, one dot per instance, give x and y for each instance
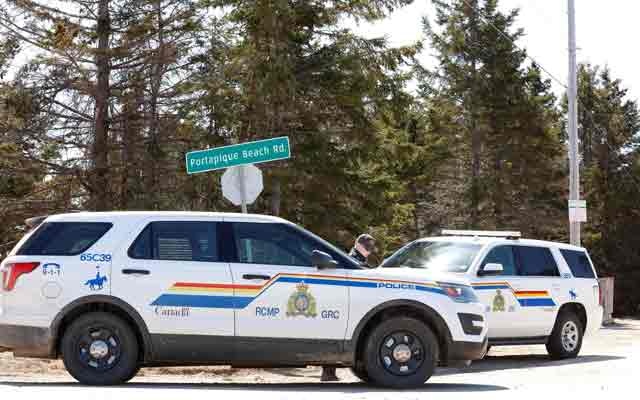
(301, 302)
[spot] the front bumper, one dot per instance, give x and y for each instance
(26, 341)
(467, 351)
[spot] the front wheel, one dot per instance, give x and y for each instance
(566, 338)
(400, 352)
(360, 373)
(100, 349)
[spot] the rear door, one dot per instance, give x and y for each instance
(539, 288)
(520, 303)
(171, 272)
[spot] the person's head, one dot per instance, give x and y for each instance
(365, 244)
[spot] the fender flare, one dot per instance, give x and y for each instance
(442, 329)
(131, 312)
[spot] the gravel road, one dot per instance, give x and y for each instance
(609, 362)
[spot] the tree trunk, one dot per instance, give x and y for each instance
(476, 140)
(276, 197)
(99, 184)
(158, 69)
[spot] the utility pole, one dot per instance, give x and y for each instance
(574, 164)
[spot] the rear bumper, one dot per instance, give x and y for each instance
(26, 341)
(465, 351)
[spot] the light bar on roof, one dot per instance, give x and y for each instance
(500, 234)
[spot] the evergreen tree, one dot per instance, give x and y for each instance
(609, 124)
(507, 136)
(293, 71)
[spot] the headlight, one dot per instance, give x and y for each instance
(459, 293)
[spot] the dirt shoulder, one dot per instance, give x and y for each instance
(611, 343)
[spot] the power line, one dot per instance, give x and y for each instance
(588, 112)
(504, 35)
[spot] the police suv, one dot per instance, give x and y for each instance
(534, 292)
(112, 292)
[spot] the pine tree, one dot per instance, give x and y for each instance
(24, 191)
(506, 117)
(609, 125)
(295, 72)
(113, 74)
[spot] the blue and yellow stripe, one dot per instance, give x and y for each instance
(526, 298)
(238, 296)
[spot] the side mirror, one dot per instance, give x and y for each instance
(322, 260)
(491, 269)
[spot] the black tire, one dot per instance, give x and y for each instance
(485, 353)
(360, 373)
(566, 338)
(100, 349)
(421, 346)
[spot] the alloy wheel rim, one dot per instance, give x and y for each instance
(401, 353)
(99, 349)
(570, 336)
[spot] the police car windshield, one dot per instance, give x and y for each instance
(439, 256)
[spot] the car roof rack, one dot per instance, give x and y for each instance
(497, 234)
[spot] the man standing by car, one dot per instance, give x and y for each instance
(364, 245)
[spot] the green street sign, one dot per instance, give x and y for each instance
(238, 154)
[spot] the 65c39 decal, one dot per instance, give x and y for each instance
(89, 257)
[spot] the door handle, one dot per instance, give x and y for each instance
(128, 271)
(252, 276)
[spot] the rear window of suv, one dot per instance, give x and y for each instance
(578, 263)
(63, 238)
(177, 241)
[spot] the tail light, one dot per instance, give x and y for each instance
(597, 291)
(600, 296)
(11, 272)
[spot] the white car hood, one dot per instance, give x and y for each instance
(416, 275)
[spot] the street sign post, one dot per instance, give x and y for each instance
(238, 154)
(577, 211)
(242, 182)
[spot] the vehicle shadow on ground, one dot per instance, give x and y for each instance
(498, 363)
(280, 387)
(620, 326)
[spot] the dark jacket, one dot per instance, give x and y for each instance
(354, 253)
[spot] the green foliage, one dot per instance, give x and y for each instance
(609, 124)
(506, 133)
(116, 92)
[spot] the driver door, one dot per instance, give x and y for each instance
(278, 293)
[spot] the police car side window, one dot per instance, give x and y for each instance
(502, 255)
(578, 263)
(536, 261)
(270, 244)
(177, 241)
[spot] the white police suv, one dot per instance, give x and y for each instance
(534, 292)
(112, 292)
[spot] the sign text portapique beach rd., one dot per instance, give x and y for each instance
(238, 154)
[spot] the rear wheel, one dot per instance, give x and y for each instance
(400, 352)
(566, 338)
(100, 349)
